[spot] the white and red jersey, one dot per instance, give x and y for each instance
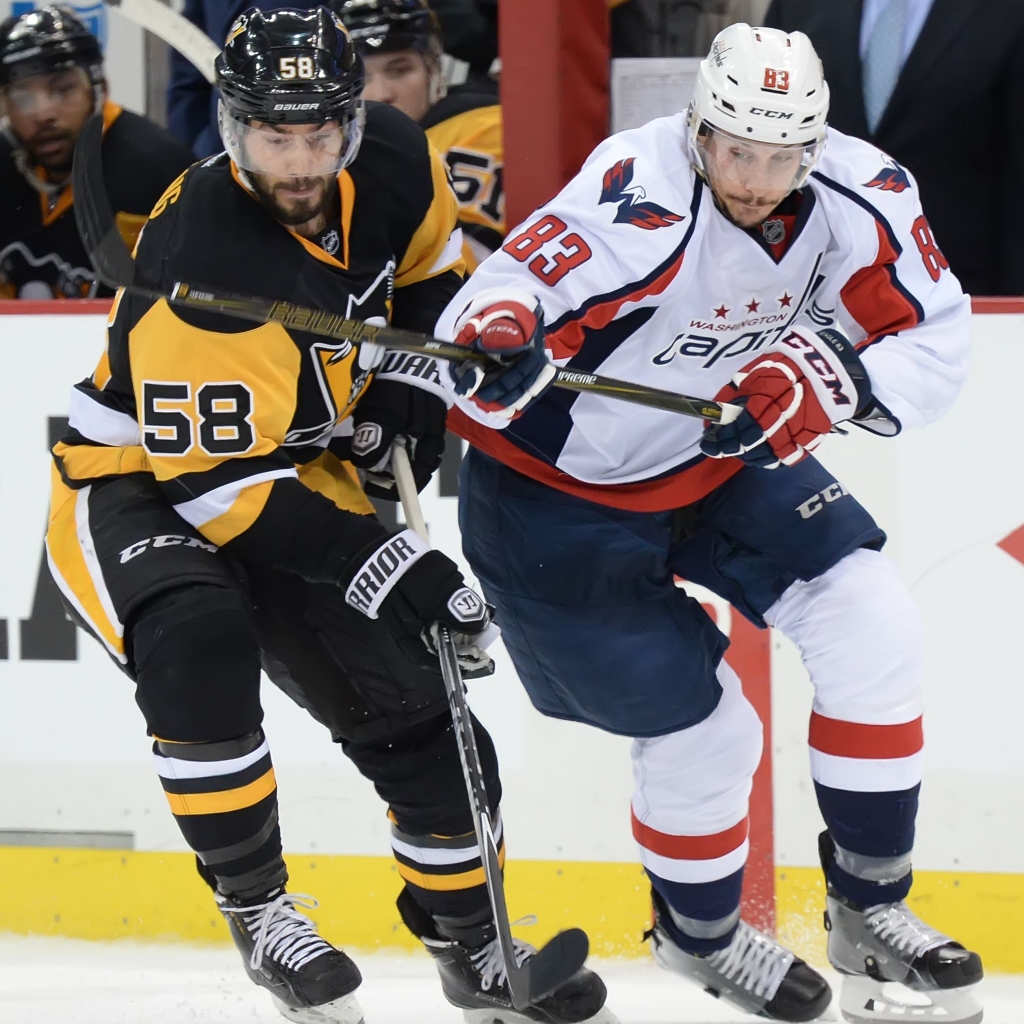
(642, 278)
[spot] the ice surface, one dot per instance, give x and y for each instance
(59, 981)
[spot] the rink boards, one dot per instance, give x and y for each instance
(89, 849)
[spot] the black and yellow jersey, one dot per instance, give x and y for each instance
(466, 129)
(41, 255)
(235, 422)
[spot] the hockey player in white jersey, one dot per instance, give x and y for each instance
(743, 251)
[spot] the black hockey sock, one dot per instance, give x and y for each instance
(224, 799)
(444, 876)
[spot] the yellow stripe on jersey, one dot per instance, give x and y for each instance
(130, 226)
(423, 256)
(180, 375)
(337, 480)
(101, 375)
(244, 511)
(69, 565)
(86, 462)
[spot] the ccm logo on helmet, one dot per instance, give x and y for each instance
(779, 115)
(296, 106)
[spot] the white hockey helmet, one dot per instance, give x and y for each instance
(763, 85)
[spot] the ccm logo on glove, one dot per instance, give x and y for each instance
(819, 362)
(373, 582)
(792, 396)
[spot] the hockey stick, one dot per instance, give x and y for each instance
(114, 265)
(555, 963)
(174, 29)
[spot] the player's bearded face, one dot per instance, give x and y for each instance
(297, 168)
(47, 112)
(750, 179)
(401, 79)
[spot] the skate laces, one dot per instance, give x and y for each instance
(902, 930)
(490, 964)
(753, 961)
(282, 933)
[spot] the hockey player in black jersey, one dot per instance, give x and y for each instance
(51, 79)
(206, 515)
(400, 41)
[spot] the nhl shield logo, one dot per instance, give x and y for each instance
(774, 231)
(331, 242)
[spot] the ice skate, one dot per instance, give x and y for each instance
(473, 978)
(309, 980)
(753, 973)
(880, 948)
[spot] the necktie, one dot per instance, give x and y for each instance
(882, 62)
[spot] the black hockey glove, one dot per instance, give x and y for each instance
(391, 409)
(410, 586)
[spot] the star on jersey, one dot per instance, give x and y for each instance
(753, 305)
(616, 189)
(722, 311)
(786, 301)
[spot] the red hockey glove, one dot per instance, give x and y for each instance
(506, 324)
(792, 396)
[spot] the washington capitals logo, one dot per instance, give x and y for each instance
(632, 208)
(890, 179)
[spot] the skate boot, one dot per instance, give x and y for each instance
(310, 981)
(873, 946)
(753, 973)
(473, 976)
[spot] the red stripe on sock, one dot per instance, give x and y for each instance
(690, 847)
(853, 739)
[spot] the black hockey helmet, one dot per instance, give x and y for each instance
(384, 26)
(46, 40)
(290, 67)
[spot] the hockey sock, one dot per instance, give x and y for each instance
(445, 877)
(700, 917)
(865, 853)
(224, 799)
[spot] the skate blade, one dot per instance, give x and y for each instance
(603, 1016)
(866, 1001)
(345, 1010)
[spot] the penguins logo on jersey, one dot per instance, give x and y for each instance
(632, 209)
(890, 179)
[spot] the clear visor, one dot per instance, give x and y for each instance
(742, 166)
(292, 150)
(53, 92)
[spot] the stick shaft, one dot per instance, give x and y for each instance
(469, 755)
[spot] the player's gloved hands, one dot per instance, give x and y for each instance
(506, 324)
(391, 409)
(792, 396)
(410, 586)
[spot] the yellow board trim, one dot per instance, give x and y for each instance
(111, 894)
(226, 800)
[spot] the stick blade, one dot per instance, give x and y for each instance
(110, 257)
(557, 962)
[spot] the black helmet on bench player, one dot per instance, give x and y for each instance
(389, 26)
(290, 67)
(47, 40)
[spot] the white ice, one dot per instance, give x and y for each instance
(59, 981)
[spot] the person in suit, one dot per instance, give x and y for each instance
(938, 85)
